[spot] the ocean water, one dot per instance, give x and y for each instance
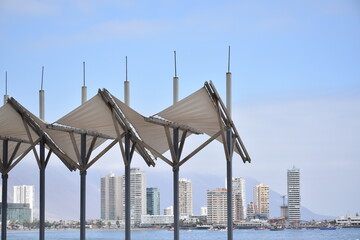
(339, 234)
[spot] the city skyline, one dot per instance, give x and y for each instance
(296, 97)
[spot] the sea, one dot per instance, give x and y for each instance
(304, 234)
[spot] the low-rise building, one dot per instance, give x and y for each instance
(156, 220)
(348, 221)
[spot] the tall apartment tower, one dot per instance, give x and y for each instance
(293, 186)
(185, 197)
(239, 201)
(250, 211)
(217, 206)
(137, 195)
(25, 194)
(111, 204)
(153, 201)
(261, 199)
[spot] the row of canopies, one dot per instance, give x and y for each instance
(105, 117)
(105, 120)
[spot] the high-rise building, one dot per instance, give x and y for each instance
(153, 201)
(137, 195)
(261, 199)
(250, 211)
(111, 204)
(185, 197)
(217, 206)
(25, 194)
(293, 186)
(169, 210)
(239, 201)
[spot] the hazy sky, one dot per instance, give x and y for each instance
(295, 65)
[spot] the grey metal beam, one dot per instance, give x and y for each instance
(4, 190)
(42, 190)
(14, 139)
(171, 124)
(77, 130)
(83, 187)
(127, 188)
(176, 184)
(229, 185)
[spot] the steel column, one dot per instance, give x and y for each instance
(42, 191)
(83, 188)
(176, 184)
(229, 185)
(4, 191)
(127, 188)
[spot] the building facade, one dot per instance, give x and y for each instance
(153, 201)
(25, 194)
(250, 211)
(169, 210)
(239, 201)
(18, 212)
(261, 199)
(111, 204)
(217, 206)
(185, 197)
(293, 189)
(156, 220)
(137, 195)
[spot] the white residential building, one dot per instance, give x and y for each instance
(169, 210)
(293, 187)
(137, 195)
(25, 194)
(239, 201)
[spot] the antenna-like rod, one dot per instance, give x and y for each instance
(175, 63)
(229, 60)
(84, 88)
(228, 86)
(126, 85)
(5, 83)
(42, 97)
(42, 78)
(84, 74)
(175, 83)
(6, 96)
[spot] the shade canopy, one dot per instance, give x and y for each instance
(105, 117)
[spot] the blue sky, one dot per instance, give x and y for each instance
(295, 65)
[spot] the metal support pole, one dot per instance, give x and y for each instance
(176, 185)
(229, 185)
(4, 191)
(42, 191)
(83, 188)
(127, 188)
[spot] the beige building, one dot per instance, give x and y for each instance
(261, 199)
(111, 204)
(185, 197)
(217, 206)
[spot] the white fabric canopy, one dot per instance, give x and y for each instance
(12, 126)
(197, 111)
(152, 134)
(92, 116)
